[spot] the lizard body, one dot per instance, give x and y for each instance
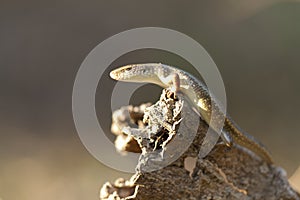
(198, 95)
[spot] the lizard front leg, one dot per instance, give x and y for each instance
(173, 81)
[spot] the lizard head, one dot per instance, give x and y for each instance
(135, 73)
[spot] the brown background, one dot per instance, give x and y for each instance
(256, 46)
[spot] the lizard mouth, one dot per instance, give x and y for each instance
(120, 73)
(114, 75)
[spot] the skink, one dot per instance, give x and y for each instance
(198, 94)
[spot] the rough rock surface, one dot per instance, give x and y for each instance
(169, 126)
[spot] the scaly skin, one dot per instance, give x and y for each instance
(198, 95)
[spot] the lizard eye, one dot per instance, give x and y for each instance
(128, 68)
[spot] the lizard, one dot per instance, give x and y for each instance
(198, 95)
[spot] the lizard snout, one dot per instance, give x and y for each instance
(113, 75)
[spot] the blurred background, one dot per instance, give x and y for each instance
(255, 44)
